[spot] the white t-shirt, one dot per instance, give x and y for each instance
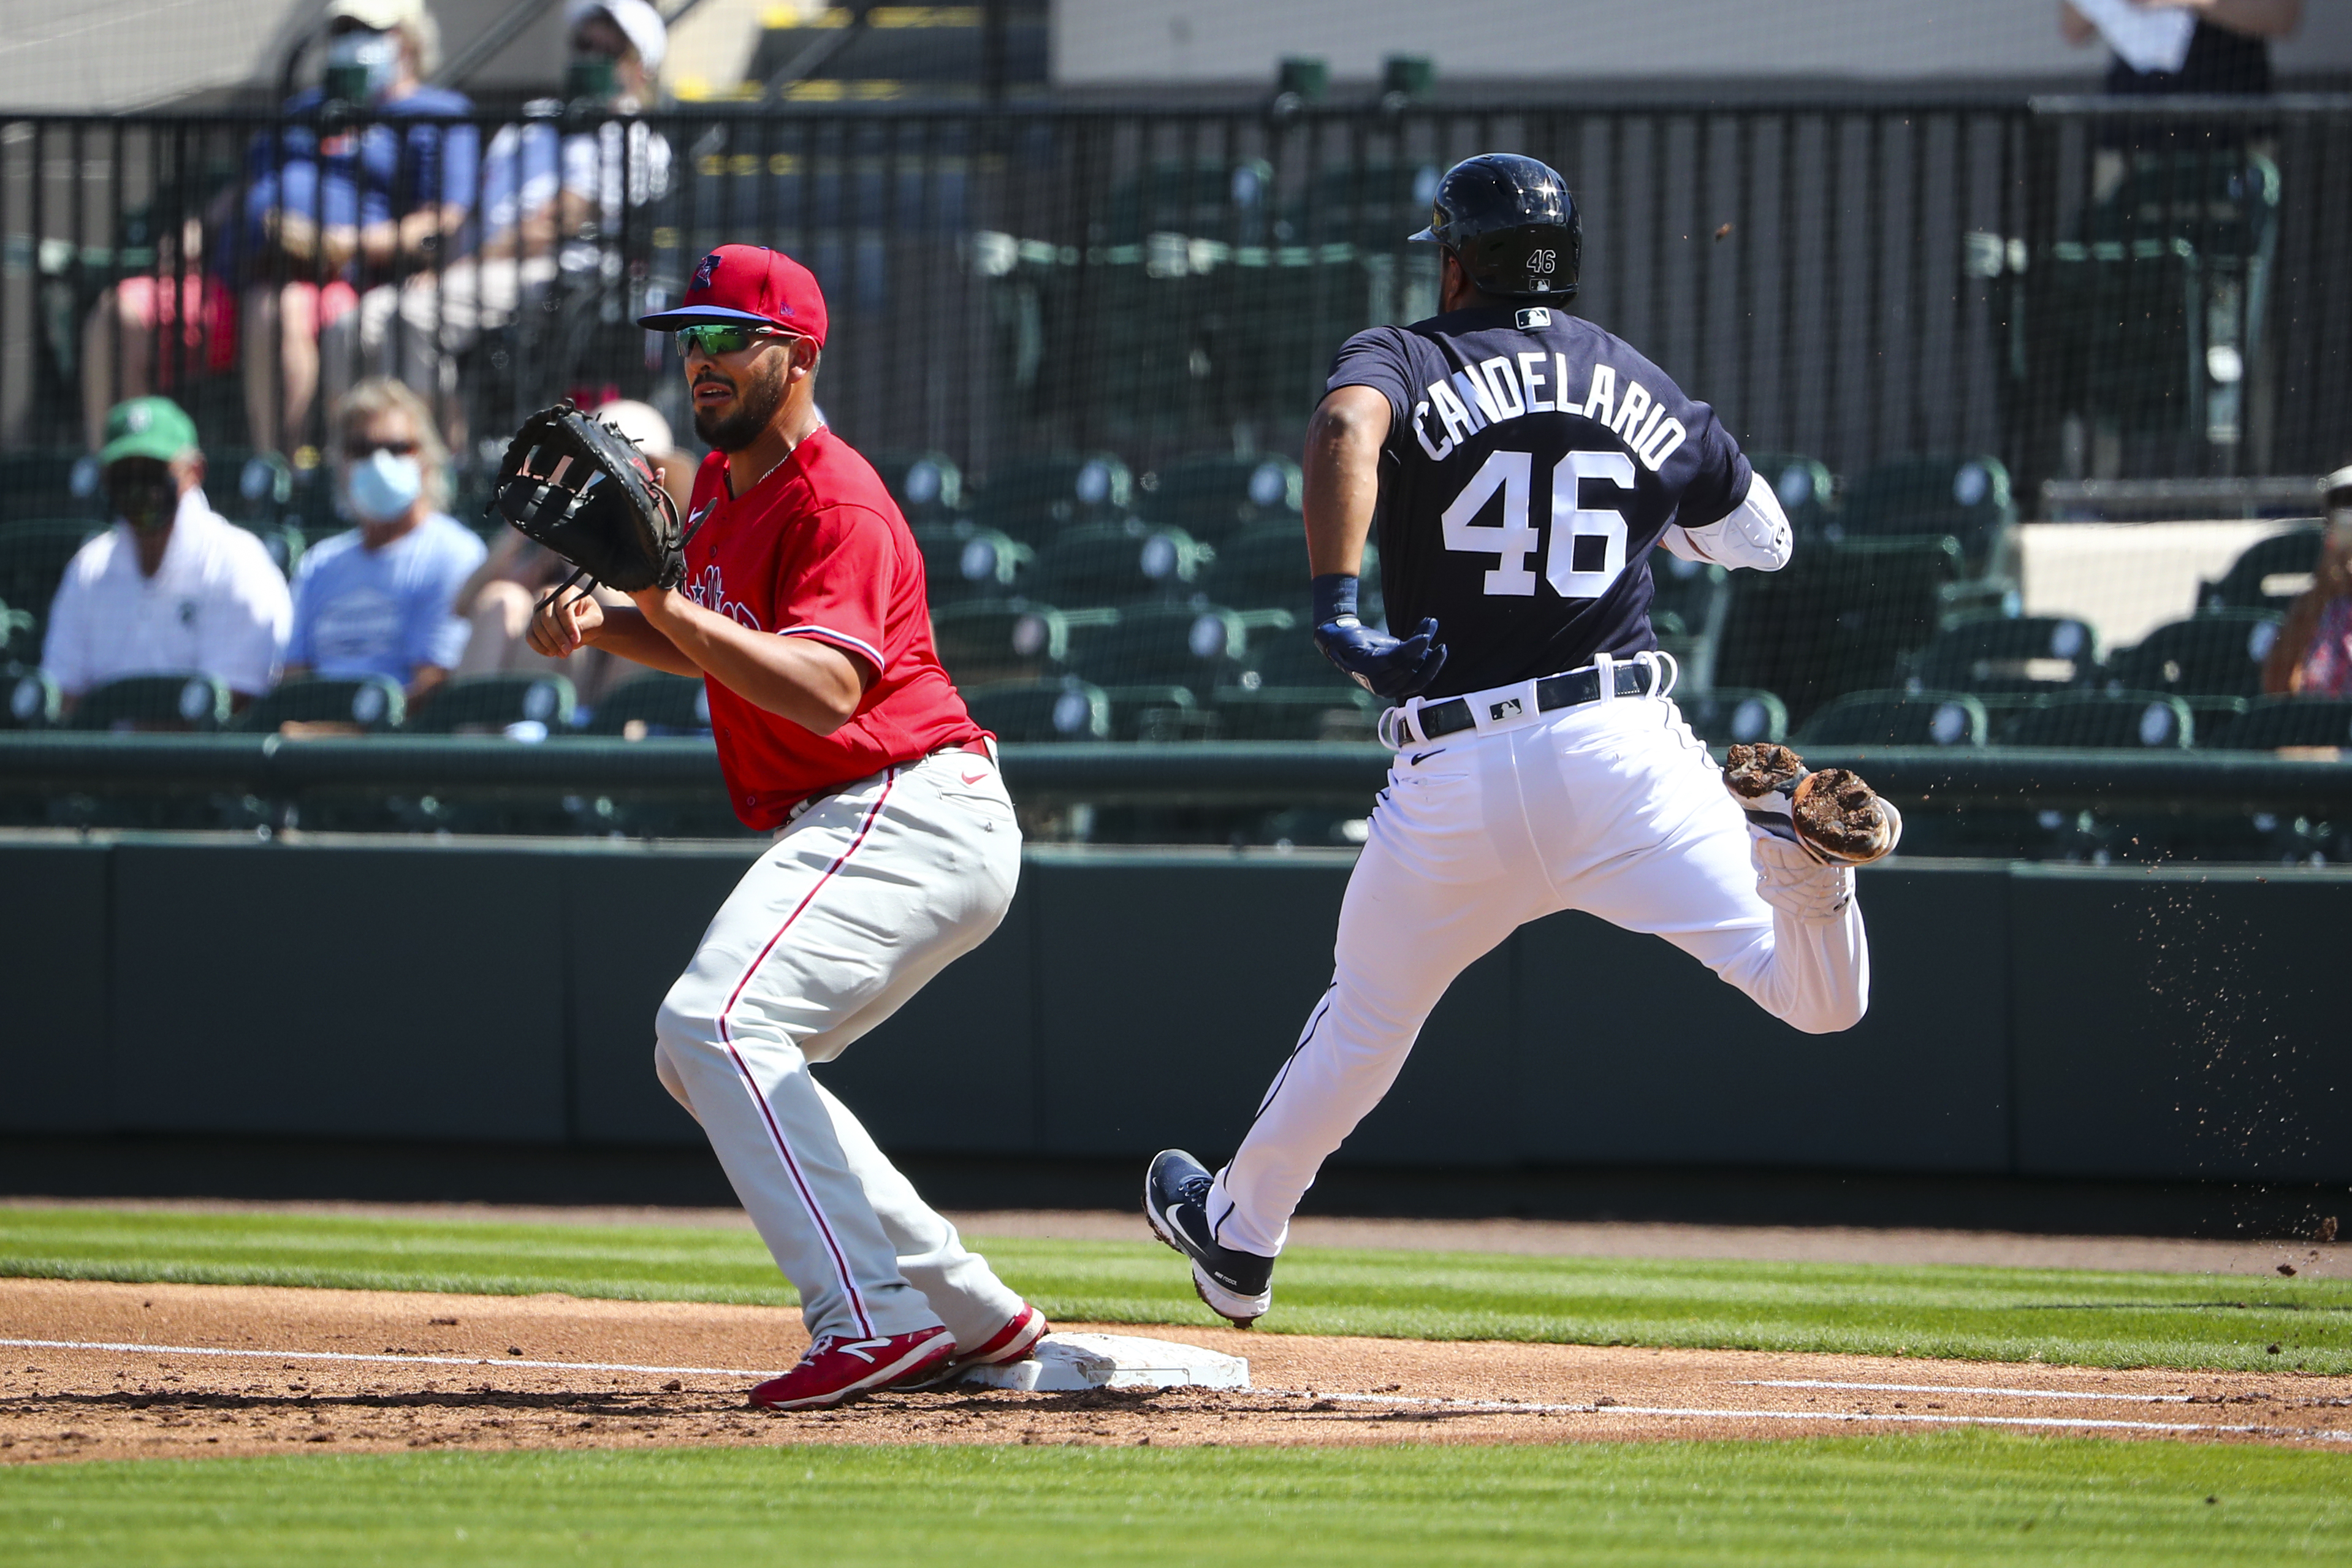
(216, 603)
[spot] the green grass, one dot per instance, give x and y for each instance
(2012, 1314)
(1965, 1497)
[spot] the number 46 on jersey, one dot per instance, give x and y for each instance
(1587, 543)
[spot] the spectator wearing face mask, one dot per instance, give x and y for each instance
(331, 210)
(553, 206)
(379, 600)
(171, 587)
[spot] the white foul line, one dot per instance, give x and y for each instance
(1958, 1388)
(1505, 1407)
(395, 1360)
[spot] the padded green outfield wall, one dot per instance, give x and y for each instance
(2036, 1020)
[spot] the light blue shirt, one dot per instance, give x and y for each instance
(383, 612)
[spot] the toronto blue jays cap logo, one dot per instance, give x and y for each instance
(708, 270)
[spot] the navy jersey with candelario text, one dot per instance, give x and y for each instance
(1532, 462)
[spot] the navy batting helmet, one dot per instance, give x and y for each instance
(1513, 225)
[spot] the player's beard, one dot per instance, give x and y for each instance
(756, 402)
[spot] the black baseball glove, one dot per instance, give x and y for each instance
(581, 487)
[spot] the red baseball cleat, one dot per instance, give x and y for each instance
(1011, 1342)
(834, 1367)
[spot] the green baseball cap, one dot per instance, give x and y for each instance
(153, 427)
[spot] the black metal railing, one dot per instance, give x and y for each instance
(1849, 280)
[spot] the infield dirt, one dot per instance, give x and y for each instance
(675, 1373)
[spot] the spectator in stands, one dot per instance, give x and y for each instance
(499, 598)
(552, 208)
(378, 600)
(2313, 656)
(329, 211)
(2228, 49)
(171, 586)
(150, 330)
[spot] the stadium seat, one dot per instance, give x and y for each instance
(652, 704)
(2268, 574)
(1730, 715)
(928, 486)
(50, 484)
(248, 486)
(1694, 593)
(495, 705)
(1806, 488)
(962, 560)
(370, 703)
(1067, 710)
(987, 641)
(1119, 564)
(1964, 496)
(190, 702)
(2216, 655)
(1158, 711)
(1033, 498)
(1265, 567)
(2027, 655)
(1213, 494)
(1195, 646)
(1291, 658)
(1260, 713)
(283, 541)
(2104, 721)
(1898, 719)
(33, 558)
(34, 701)
(1838, 618)
(2277, 721)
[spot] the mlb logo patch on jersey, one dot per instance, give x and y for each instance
(1509, 707)
(1534, 318)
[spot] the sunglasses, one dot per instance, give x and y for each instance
(361, 451)
(717, 338)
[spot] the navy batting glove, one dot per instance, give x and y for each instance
(1389, 667)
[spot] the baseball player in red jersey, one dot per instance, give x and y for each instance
(896, 851)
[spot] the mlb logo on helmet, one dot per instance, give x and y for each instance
(749, 283)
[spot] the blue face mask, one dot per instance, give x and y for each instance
(383, 486)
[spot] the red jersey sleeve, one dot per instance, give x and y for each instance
(836, 585)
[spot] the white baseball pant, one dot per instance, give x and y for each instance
(861, 900)
(1613, 807)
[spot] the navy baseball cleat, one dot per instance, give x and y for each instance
(1832, 814)
(1237, 1285)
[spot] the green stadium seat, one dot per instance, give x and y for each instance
(1214, 494)
(2017, 654)
(2277, 721)
(372, 703)
(1806, 488)
(1899, 718)
(50, 484)
(1119, 564)
(964, 560)
(34, 701)
(2215, 655)
(2269, 575)
(1732, 715)
(2104, 721)
(1041, 710)
(283, 541)
(248, 486)
(186, 703)
(928, 486)
(987, 641)
(1033, 498)
(1261, 713)
(1196, 647)
(1964, 495)
(1158, 711)
(652, 704)
(495, 704)
(1838, 618)
(1290, 658)
(34, 554)
(1694, 593)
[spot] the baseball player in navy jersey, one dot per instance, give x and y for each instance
(1520, 464)
(895, 848)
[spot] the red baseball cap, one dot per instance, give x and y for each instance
(749, 283)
